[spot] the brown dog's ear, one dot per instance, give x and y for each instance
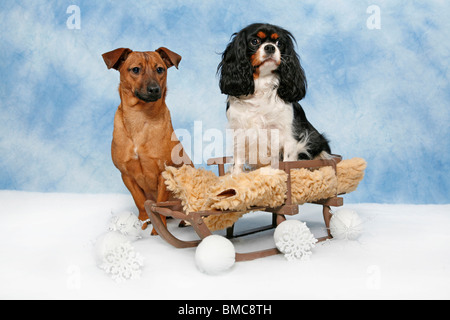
(170, 58)
(115, 58)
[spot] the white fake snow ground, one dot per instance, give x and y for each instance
(47, 252)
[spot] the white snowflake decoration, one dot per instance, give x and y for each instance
(123, 263)
(294, 239)
(116, 256)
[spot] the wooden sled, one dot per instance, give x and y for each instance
(174, 210)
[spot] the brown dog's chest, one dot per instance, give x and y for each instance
(141, 148)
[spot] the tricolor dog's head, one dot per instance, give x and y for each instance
(256, 50)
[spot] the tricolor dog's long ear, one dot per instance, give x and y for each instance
(235, 69)
(114, 59)
(293, 84)
(170, 58)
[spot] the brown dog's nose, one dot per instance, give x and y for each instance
(153, 90)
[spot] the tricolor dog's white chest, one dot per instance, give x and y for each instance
(264, 113)
(262, 110)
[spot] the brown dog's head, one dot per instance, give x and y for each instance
(142, 74)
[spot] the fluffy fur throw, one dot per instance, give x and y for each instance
(200, 189)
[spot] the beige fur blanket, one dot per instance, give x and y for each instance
(200, 189)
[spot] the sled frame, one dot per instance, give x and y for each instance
(174, 209)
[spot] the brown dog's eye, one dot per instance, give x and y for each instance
(136, 70)
(160, 70)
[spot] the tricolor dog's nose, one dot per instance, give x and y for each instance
(270, 48)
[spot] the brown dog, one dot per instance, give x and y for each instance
(142, 139)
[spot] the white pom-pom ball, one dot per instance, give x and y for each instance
(294, 239)
(345, 224)
(215, 254)
(106, 243)
(128, 224)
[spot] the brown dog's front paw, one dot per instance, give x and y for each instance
(154, 233)
(144, 225)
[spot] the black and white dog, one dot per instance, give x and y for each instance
(262, 76)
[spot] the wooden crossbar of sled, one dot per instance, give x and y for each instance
(174, 209)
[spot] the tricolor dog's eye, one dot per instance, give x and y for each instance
(255, 41)
(279, 43)
(160, 70)
(136, 70)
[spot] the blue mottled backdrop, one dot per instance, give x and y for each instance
(377, 72)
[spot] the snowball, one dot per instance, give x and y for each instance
(116, 256)
(294, 239)
(128, 224)
(345, 224)
(214, 255)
